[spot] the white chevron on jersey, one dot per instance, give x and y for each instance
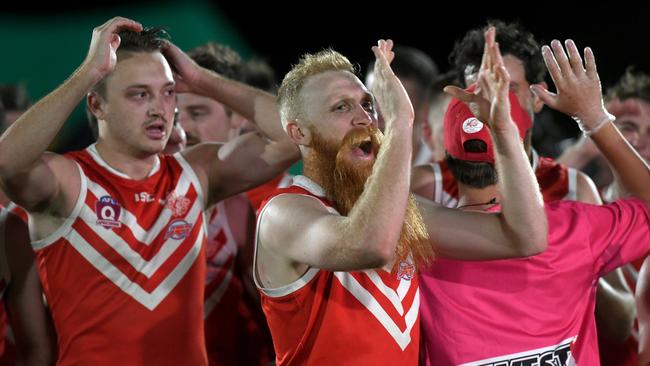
(147, 268)
(403, 338)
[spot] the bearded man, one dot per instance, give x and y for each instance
(337, 252)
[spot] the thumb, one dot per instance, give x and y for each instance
(459, 93)
(550, 99)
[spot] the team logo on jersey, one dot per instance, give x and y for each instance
(178, 205)
(406, 270)
(472, 125)
(178, 229)
(108, 212)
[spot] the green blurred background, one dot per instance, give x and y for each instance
(42, 50)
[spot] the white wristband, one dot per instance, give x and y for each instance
(590, 130)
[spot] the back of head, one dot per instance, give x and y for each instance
(413, 64)
(219, 58)
(439, 82)
(470, 152)
(309, 65)
(513, 40)
(259, 74)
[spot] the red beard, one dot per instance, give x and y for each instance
(343, 179)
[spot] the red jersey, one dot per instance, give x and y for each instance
(124, 274)
(366, 317)
(258, 194)
(556, 181)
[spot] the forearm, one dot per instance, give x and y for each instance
(522, 206)
(631, 171)
(377, 217)
(254, 104)
(577, 156)
(26, 140)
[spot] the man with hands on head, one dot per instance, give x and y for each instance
(118, 228)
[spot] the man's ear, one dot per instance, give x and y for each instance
(297, 134)
(537, 102)
(96, 105)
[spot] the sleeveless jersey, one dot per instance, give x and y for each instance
(259, 194)
(124, 274)
(368, 317)
(223, 290)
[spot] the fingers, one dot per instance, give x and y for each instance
(552, 66)
(119, 23)
(590, 63)
(574, 57)
(486, 62)
(561, 57)
(460, 94)
(550, 99)
(383, 55)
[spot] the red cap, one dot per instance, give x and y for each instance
(462, 126)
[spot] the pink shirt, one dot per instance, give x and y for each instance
(537, 310)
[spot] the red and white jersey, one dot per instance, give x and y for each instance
(223, 290)
(259, 194)
(366, 317)
(556, 181)
(220, 255)
(124, 275)
(445, 189)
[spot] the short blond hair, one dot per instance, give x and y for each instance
(308, 65)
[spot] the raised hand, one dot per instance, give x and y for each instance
(393, 100)
(102, 57)
(494, 84)
(480, 97)
(578, 87)
(186, 71)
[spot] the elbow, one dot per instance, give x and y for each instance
(381, 254)
(532, 244)
(535, 239)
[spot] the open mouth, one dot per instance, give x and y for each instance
(363, 149)
(155, 131)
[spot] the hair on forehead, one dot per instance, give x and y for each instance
(633, 84)
(309, 65)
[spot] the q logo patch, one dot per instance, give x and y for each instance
(108, 212)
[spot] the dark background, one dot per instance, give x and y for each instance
(281, 31)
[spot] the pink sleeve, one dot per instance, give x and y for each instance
(620, 233)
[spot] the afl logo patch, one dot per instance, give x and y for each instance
(178, 229)
(108, 212)
(472, 125)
